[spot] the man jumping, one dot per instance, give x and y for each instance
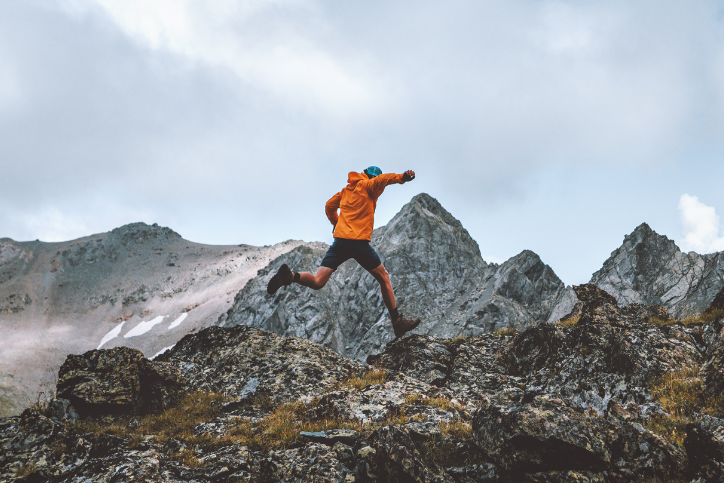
(352, 235)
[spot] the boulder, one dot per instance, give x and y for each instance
(611, 353)
(420, 356)
(245, 362)
(549, 434)
(399, 460)
(313, 463)
(117, 381)
(705, 449)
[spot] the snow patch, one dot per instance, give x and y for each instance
(178, 321)
(144, 326)
(111, 335)
(162, 351)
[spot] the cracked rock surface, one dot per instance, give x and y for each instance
(650, 269)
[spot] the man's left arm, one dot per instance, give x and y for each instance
(331, 208)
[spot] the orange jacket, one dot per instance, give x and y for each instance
(356, 204)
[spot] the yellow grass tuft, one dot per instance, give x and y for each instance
(680, 394)
(567, 323)
(506, 331)
(704, 317)
(25, 470)
(369, 378)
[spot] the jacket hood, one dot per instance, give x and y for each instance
(354, 177)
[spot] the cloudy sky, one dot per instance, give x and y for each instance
(555, 126)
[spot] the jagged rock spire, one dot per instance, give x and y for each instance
(649, 268)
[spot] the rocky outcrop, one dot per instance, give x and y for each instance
(438, 275)
(118, 381)
(550, 434)
(713, 368)
(244, 361)
(650, 269)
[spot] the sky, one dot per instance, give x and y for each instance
(554, 126)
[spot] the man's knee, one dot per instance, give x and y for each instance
(381, 274)
(319, 283)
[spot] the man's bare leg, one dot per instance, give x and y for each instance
(400, 324)
(317, 280)
(388, 295)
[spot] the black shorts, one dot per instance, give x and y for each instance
(343, 249)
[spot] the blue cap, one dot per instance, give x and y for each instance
(373, 171)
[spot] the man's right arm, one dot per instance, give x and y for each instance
(332, 206)
(377, 185)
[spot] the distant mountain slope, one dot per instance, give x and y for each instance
(438, 275)
(649, 268)
(140, 286)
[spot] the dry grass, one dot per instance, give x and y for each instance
(680, 394)
(704, 317)
(660, 321)
(506, 331)
(373, 376)
(567, 323)
(26, 470)
(177, 422)
(279, 429)
(440, 402)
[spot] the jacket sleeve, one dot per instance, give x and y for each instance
(332, 206)
(377, 185)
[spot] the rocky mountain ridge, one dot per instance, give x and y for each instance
(145, 287)
(649, 268)
(438, 275)
(141, 286)
(587, 400)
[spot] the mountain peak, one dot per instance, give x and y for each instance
(645, 234)
(141, 231)
(649, 268)
(423, 220)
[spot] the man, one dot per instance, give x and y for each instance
(352, 235)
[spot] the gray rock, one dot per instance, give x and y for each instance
(283, 368)
(313, 463)
(61, 411)
(332, 436)
(548, 434)
(650, 269)
(117, 381)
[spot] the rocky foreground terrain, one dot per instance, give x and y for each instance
(608, 394)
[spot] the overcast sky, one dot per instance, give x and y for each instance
(553, 126)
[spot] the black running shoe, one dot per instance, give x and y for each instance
(283, 277)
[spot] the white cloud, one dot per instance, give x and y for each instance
(275, 46)
(701, 226)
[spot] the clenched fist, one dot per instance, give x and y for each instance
(408, 175)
